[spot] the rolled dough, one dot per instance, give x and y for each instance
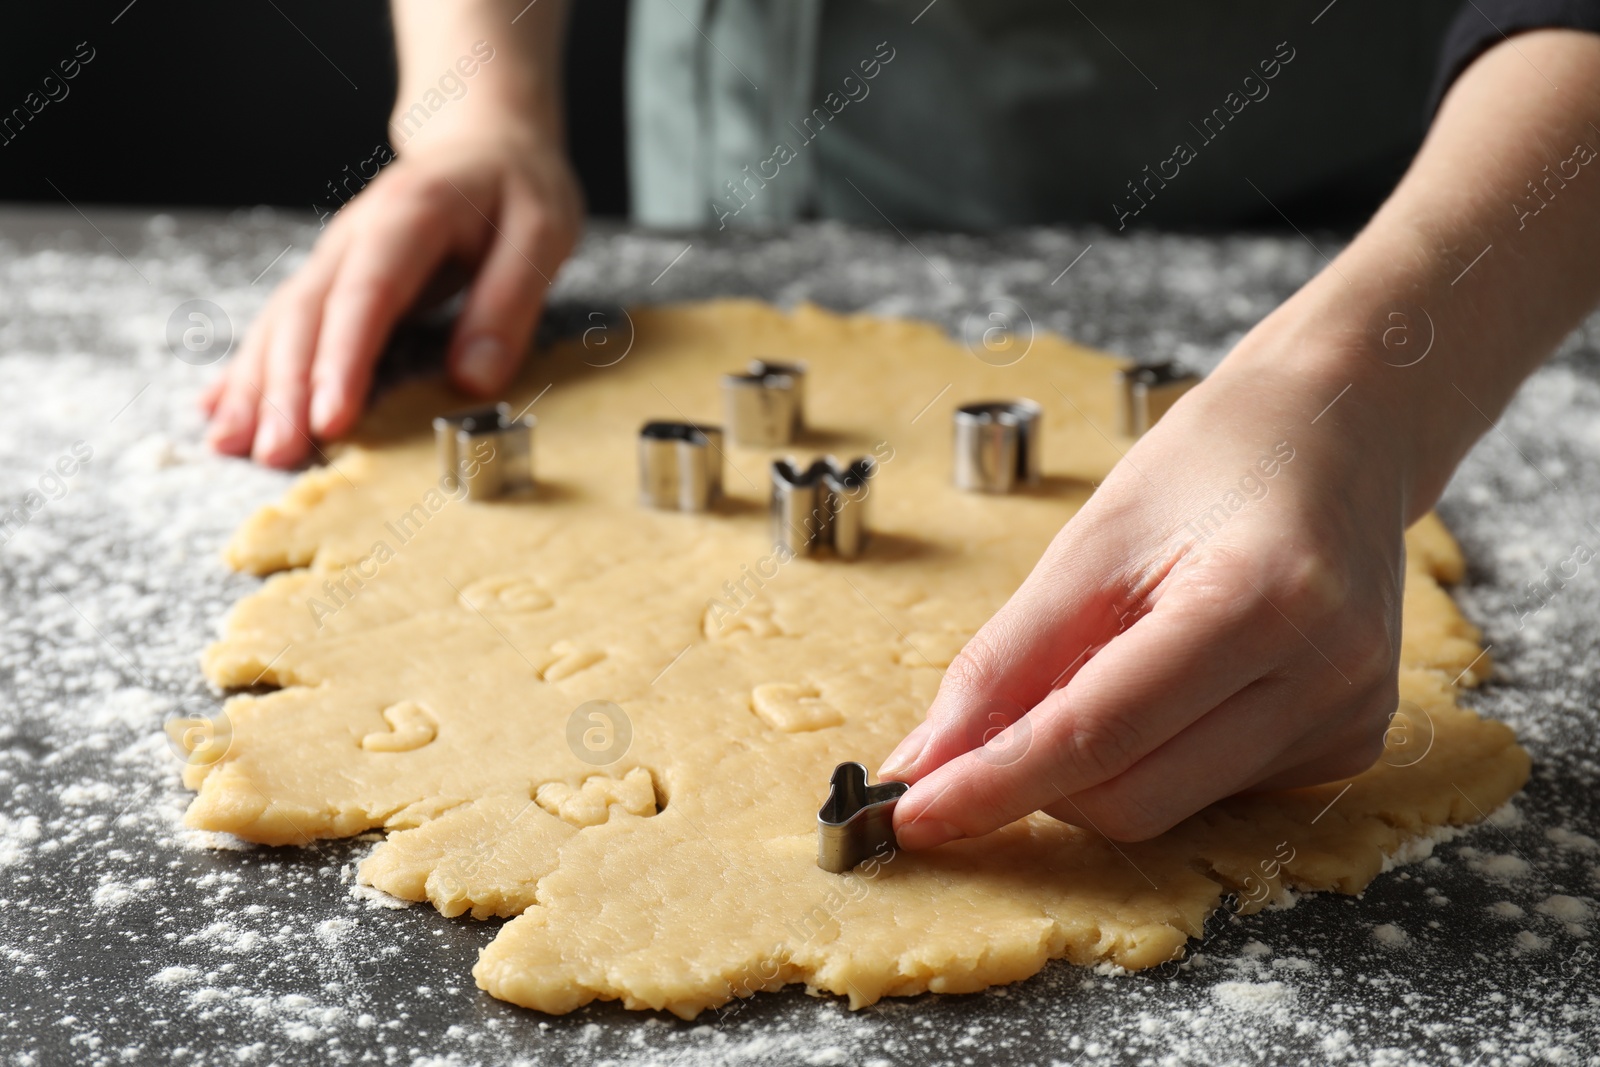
(430, 654)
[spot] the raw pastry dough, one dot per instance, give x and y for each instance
(431, 652)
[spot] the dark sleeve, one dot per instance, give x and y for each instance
(1481, 24)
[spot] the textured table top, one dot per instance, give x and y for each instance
(125, 938)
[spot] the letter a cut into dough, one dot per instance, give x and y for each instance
(665, 855)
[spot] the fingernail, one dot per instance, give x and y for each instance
(905, 755)
(482, 362)
(222, 425)
(223, 434)
(269, 439)
(926, 833)
(324, 407)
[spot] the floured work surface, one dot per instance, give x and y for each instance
(432, 653)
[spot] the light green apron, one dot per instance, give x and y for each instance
(985, 113)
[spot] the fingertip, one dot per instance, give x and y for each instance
(503, 305)
(904, 758)
(276, 443)
(231, 429)
(482, 365)
(211, 395)
(894, 769)
(228, 439)
(331, 410)
(958, 728)
(919, 833)
(924, 816)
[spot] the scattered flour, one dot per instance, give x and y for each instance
(1527, 942)
(1293, 963)
(225, 937)
(1257, 998)
(212, 841)
(1419, 848)
(1505, 816)
(1503, 868)
(1567, 909)
(15, 837)
(175, 976)
(111, 894)
(377, 898)
(1571, 840)
(84, 794)
(1389, 935)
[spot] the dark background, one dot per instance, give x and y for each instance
(249, 101)
(268, 101)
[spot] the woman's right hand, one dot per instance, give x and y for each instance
(495, 197)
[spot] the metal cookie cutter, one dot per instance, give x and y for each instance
(487, 450)
(997, 445)
(857, 820)
(825, 504)
(766, 405)
(680, 465)
(1148, 391)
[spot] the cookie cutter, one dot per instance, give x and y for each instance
(856, 822)
(825, 504)
(1149, 391)
(996, 445)
(765, 405)
(680, 465)
(487, 450)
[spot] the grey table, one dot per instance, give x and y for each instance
(125, 938)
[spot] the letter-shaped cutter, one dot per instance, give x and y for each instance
(856, 822)
(680, 465)
(766, 405)
(486, 450)
(1149, 391)
(996, 445)
(825, 504)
